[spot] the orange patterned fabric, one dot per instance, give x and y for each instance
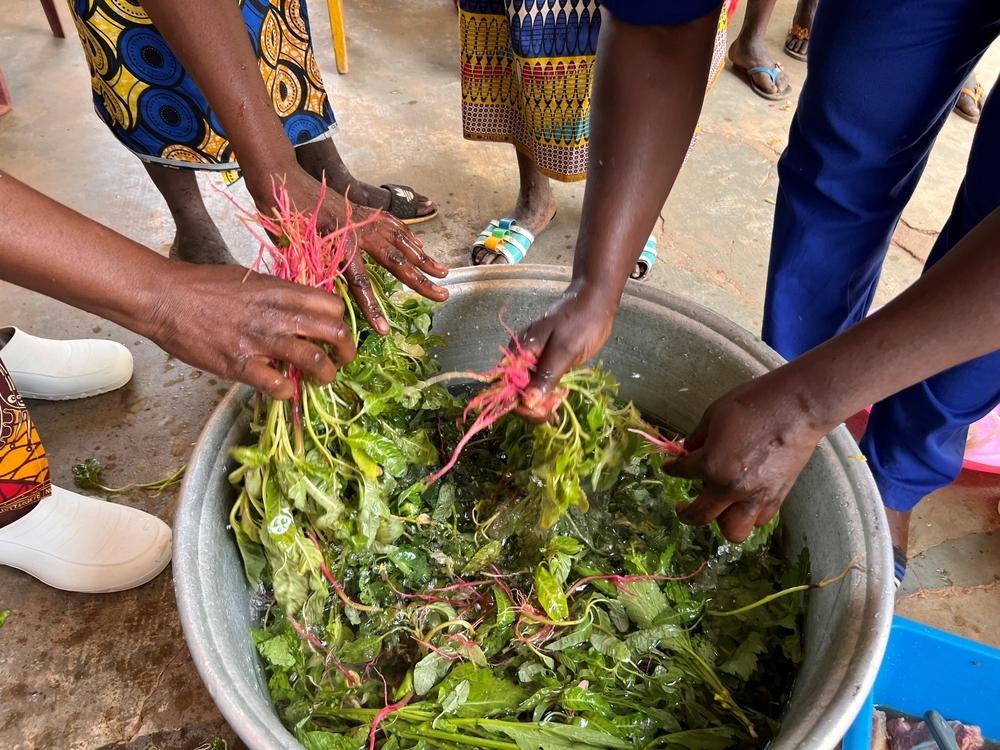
(24, 470)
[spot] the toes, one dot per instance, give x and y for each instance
(764, 82)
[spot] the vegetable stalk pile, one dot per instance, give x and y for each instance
(515, 587)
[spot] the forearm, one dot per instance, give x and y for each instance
(648, 90)
(211, 40)
(51, 249)
(949, 316)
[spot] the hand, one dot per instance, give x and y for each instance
(571, 331)
(384, 238)
(239, 324)
(748, 449)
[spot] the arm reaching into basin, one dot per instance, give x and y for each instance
(649, 86)
(752, 443)
(211, 41)
(223, 319)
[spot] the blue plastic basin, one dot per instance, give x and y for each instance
(925, 668)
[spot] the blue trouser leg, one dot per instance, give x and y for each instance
(916, 439)
(883, 76)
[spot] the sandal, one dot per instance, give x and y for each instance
(977, 95)
(772, 72)
(404, 202)
(800, 33)
(646, 259)
(504, 237)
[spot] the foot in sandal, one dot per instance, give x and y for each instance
(970, 100)
(514, 234)
(762, 74)
(797, 41)
(321, 159)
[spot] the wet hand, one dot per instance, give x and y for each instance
(382, 236)
(571, 331)
(748, 450)
(239, 324)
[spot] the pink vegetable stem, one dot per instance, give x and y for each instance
(388, 709)
(508, 380)
(670, 447)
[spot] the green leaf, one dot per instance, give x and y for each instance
(327, 741)
(413, 563)
(4, 614)
(550, 736)
(579, 699)
(743, 661)
(565, 545)
(488, 694)
(445, 506)
(609, 646)
(550, 594)
(716, 738)
(254, 559)
(643, 601)
(485, 556)
(428, 671)
(360, 650)
(290, 587)
(278, 651)
(528, 671)
(88, 475)
(456, 698)
(642, 641)
(580, 634)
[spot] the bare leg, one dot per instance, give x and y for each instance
(534, 209)
(798, 43)
(197, 239)
(750, 48)
(899, 532)
(899, 527)
(322, 158)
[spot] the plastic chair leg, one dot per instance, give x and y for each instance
(336, 9)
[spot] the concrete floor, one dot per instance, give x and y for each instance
(113, 671)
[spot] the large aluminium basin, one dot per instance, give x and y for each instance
(673, 358)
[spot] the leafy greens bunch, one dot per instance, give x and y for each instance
(540, 595)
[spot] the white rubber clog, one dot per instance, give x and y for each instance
(60, 370)
(76, 543)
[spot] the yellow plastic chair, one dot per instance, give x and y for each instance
(336, 10)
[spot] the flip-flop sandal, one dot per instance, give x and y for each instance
(404, 202)
(647, 258)
(771, 72)
(504, 237)
(977, 95)
(796, 32)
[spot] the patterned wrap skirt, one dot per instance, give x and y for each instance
(150, 103)
(527, 68)
(24, 470)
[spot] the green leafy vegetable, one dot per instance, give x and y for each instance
(544, 595)
(89, 475)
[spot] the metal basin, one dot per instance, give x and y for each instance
(673, 358)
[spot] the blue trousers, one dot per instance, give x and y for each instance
(883, 76)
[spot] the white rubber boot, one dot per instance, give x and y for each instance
(77, 543)
(61, 370)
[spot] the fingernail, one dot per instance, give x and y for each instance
(531, 398)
